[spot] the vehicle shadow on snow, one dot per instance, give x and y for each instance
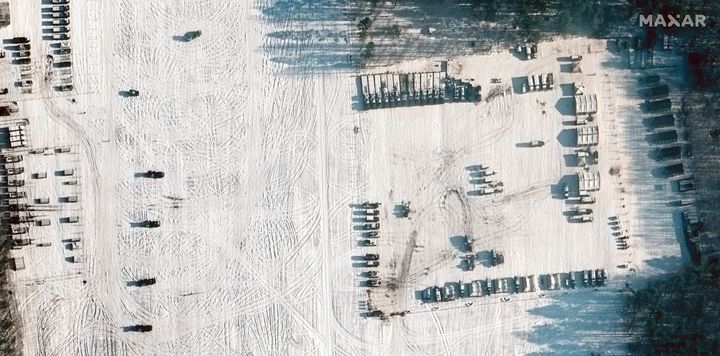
(460, 242)
(568, 137)
(565, 105)
(557, 190)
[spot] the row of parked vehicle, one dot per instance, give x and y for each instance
(19, 48)
(481, 177)
(56, 27)
(579, 214)
(488, 287)
(15, 223)
(366, 220)
(620, 235)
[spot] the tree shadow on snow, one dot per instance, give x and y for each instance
(590, 319)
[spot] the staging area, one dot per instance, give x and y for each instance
(527, 175)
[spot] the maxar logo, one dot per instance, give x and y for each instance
(672, 20)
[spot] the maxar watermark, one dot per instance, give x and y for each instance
(672, 20)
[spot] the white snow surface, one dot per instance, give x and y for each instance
(254, 253)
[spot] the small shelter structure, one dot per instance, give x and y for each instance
(588, 135)
(588, 181)
(585, 104)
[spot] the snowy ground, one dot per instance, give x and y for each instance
(254, 252)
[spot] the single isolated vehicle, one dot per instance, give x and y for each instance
(154, 174)
(139, 328)
(191, 35)
(150, 223)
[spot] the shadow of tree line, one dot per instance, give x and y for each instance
(348, 34)
(592, 320)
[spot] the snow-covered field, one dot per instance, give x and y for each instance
(254, 252)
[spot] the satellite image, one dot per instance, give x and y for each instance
(359, 177)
